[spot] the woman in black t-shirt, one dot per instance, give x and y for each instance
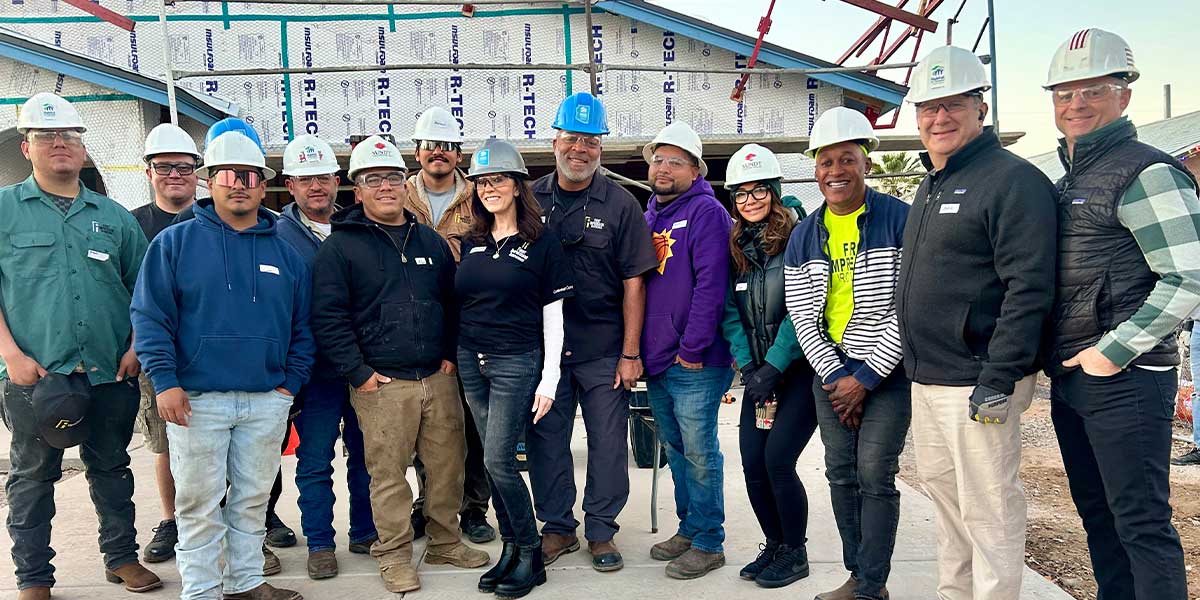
(510, 286)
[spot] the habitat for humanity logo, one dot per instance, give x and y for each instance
(310, 153)
(583, 113)
(484, 157)
(48, 111)
(937, 76)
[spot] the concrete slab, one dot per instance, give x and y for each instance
(80, 570)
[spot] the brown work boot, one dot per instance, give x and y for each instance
(843, 592)
(271, 565)
(34, 593)
(322, 564)
(459, 555)
(136, 578)
(605, 556)
(670, 549)
(695, 563)
(555, 545)
(265, 591)
(399, 578)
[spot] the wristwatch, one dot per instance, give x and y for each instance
(631, 357)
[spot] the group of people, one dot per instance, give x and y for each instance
(445, 316)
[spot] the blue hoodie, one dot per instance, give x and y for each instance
(216, 309)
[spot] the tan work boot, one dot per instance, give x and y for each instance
(458, 554)
(695, 563)
(265, 591)
(399, 578)
(34, 593)
(136, 578)
(271, 564)
(322, 564)
(555, 545)
(670, 549)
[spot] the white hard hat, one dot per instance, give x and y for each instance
(840, 124)
(681, 135)
(752, 163)
(436, 124)
(1092, 53)
(169, 138)
(947, 71)
(48, 111)
(375, 152)
(309, 155)
(233, 148)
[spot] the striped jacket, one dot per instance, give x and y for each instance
(870, 347)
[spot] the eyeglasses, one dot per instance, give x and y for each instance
(433, 146)
(46, 137)
(674, 162)
(376, 180)
(164, 169)
(1091, 93)
(952, 107)
(570, 230)
(491, 181)
(227, 177)
(308, 180)
(591, 142)
(758, 192)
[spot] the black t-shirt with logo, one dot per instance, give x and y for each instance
(501, 289)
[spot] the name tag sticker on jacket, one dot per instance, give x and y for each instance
(1079, 201)
(98, 255)
(960, 191)
(741, 287)
(679, 224)
(948, 209)
(272, 269)
(421, 260)
(478, 249)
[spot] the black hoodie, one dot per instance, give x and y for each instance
(383, 298)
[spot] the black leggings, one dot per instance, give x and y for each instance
(769, 458)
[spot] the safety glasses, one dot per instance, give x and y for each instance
(674, 162)
(1091, 93)
(307, 180)
(227, 177)
(590, 142)
(433, 146)
(164, 169)
(47, 137)
(491, 181)
(375, 180)
(570, 232)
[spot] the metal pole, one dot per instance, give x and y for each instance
(587, 15)
(1167, 101)
(995, 83)
(623, 179)
(162, 19)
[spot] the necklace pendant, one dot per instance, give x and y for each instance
(496, 255)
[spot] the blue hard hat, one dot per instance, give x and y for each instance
(582, 113)
(232, 124)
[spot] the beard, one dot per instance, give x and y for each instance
(575, 174)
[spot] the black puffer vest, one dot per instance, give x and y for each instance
(1102, 277)
(762, 307)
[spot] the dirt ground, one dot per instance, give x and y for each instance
(1056, 546)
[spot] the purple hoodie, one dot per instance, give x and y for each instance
(685, 295)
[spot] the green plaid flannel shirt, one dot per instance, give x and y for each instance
(1162, 211)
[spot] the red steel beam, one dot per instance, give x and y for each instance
(891, 12)
(867, 38)
(99, 11)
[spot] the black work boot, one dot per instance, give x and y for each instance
(766, 554)
(790, 565)
(528, 572)
(504, 564)
(162, 546)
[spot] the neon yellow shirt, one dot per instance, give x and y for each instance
(843, 248)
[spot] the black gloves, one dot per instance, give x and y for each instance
(989, 406)
(762, 384)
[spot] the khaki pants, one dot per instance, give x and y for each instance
(971, 471)
(403, 417)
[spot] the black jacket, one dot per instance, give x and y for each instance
(977, 278)
(384, 301)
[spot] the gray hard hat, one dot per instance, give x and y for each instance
(497, 156)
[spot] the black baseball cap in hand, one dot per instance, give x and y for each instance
(60, 403)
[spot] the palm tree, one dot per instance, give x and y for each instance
(896, 163)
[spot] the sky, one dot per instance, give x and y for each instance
(1162, 34)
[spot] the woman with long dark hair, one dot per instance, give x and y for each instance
(777, 417)
(510, 287)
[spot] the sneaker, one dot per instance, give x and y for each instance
(271, 564)
(1189, 459)
(476, 528)
(162, 546)
(418, 521)
(695, 563)
(278, 534)
(459, 555)
(790, 565)
(670, 549)
(363, 547)
(766, 554)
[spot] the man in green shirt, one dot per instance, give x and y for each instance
(68, 261)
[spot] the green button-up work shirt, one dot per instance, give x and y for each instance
(66, 280)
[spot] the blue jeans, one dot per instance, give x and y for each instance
(684, 403)
(499, 390)
(234, 437)
(326, 406)
(1195, 348)
(861, 466)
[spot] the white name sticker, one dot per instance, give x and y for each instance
(947, 209)
(477, 250)
(741, 287)
(272, 269)
(98, 255)
(679, 224)
(421, 260)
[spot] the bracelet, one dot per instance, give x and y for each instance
(631, 357)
